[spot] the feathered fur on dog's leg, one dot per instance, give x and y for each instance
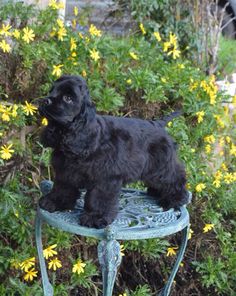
(50, 136)
(101, 205)
(168, 183)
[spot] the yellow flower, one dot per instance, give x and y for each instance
(133, 55)
(54, 5)
(175, 53)
(6, 112)
(6, 151)
(54, 264)
(190, 233)
(228, 139)
(16, 34)
(29, 109)
(60, 23)
(128, 81)
(5, 30)
(163, 79)
(157, 36)
(29, 276)
(208, 227)
(229, 178)
(224, 167)
(49, 252)
(122, 249)
(57, 70)
(78, 267)
(232, 150)
(171, 251)
(94, 31)
(61, 33)
(14, 110)
(94, 54)
(210, 139)
(208, 149)
(142, 29)
(5, 46)
(73, 45)
(200, 187)
(181, 66)
(166, 46)
(124, 294)
(169, 124)
(73, 22)
(84, 74)
(27, 264)
(200, 116)
(28, 35)
(217, 183)
(76, 11)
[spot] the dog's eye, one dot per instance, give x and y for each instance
(67, 99)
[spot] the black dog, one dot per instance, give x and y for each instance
(102, 153)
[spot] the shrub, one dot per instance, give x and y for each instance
(131, 76)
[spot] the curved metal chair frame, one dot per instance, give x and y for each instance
(139, 217)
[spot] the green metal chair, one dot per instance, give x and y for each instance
(139, 217)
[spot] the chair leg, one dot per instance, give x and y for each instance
(47, 287)
(166, 290)
(109, 258)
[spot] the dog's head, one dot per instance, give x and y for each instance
(68, 101)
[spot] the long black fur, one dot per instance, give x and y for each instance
(103, 153)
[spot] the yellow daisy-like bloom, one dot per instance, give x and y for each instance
(208, 227)
(61, 33)
(229, 178)
(54, 5)
(157, 36)
(171, 251)
(208, 149)
(60, 23)
(217, 183)
(166, 46)
(28, 35)
(78, 267)
(141, 27)
(133, 55)
(94, 54)
(163, 79)
(76, 11)
(94, 31)
(122, 249)
(6, 112)
(6, 151)
(5, 46)
(232, 150)
(73, 45)
(200, 187)
(5, 30)
(49, 252)
(128, 81)
(209, 139)
(55, 264)
(57, 70)
(84, 74)
(181, 66)
(30, 275)
(27, 264)
(14, 110)
(29, 109)
(124, 294)
(16, 34)
(175, 53)
(200, 116)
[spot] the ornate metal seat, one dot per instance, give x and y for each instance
(139, 218)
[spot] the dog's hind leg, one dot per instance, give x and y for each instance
(101, 205)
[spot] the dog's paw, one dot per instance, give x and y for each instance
(47, 204)
(94, 221)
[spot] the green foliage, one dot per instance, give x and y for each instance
(131, 76)
(226, 57)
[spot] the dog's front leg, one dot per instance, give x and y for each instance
(101, 205)
(62, 197)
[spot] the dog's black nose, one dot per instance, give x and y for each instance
(47, 101)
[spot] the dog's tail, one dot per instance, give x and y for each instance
(163, 122)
